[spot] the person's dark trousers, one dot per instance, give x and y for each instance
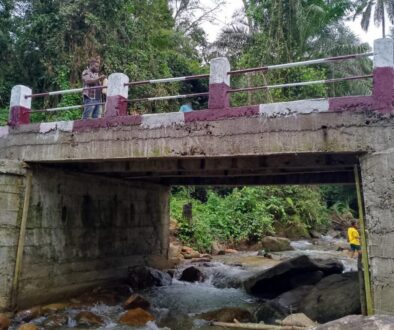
(91, 108)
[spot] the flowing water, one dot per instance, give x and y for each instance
(177, 306)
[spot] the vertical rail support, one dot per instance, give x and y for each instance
(364, 254)
(20, 106)
(21, 240)
(117, 94)
(219, 83)
(383, 74)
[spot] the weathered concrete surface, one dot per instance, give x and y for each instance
(11, 199)
(82, 230)
(241, 136)
(378, 187)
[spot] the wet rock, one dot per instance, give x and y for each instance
(333, 297)
(201, 260)
(55, 321)
(141, 277)
(136, 317)
(192, 274)
(307, 278)
(289, 302)
(4, 322)
(54, 308)
(275, 244)
(189, 253)
(276, 280)
(359, 322)
(86, 318)
(28, 314)
(28, 326)
(227, 314)
(297, 320)
(314, 233)
(135, 301)
(334, 233)
(230, 251)
(268, 313)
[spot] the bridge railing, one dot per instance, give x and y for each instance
(219, 85)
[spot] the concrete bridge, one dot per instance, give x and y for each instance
(81, 201)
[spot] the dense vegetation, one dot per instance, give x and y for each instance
(245, 215)
(45, 44)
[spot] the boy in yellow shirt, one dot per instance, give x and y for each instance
(354, 239)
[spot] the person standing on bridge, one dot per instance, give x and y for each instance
(92, 97)
(354, 239)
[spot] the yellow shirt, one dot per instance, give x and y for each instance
(353, 236)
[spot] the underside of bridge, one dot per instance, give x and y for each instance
(318, 168)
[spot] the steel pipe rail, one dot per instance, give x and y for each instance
(304, 83)
(167, 80)
(66, 91)
(72, 107)
(295, 64)
(170, 97)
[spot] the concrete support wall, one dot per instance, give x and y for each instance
(11, 200)
(378, 187)
(81, 231)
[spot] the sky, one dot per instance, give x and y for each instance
(224, 17)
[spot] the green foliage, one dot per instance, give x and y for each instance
(246, 214)
(3, 116)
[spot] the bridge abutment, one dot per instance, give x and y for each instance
(378, 187)
(81, 231)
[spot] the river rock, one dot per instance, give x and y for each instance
(192, 274)
(307, 278)
(141, 277)
(275, 244)
(189, 253)
(54, 308)
(4, 322)
(28, 326)
(297, 320)
(175, 251)
(359, 322)
(227, 314)
(28, 314)
(216, 247)
(136, 317)
(268, 313)
(314, 233)
(135, 301)
(89, 319)
(55, 321)
(276, 280)
(333, 297)
(289, 302)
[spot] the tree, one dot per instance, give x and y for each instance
(382, 7)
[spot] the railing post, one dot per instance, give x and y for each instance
(117, 94)
(219, 83)
(383, 74)
(20, 106)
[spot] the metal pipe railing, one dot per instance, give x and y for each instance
(63, 92)
(301, 63)
(170, 97)
(165, 80)
(72, 107)
(304, 83)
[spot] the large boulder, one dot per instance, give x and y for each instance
(289, 302)
(192, 274)
(333, 297)
(227, 314)
(275, 244)
(359, 322)
(141, 277)
(276, 280)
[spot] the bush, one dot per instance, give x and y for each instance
(246, 214)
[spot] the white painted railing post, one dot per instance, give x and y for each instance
(20, 106)
(117, 94)
(219, 83)
(383, 74)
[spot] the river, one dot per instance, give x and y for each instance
(176, 306)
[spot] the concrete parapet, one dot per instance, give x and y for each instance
(117, 95)
(219, 83)
(20, 106)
